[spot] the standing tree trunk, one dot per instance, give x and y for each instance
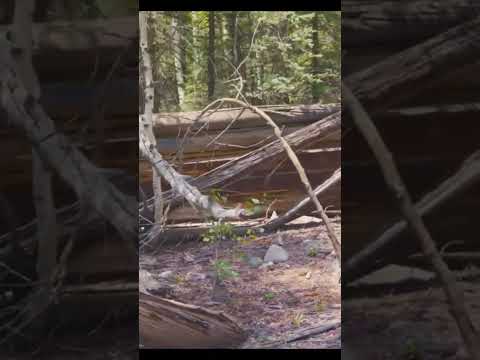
(315, 60)
(179, 55)
(149, 96)
(211, 54)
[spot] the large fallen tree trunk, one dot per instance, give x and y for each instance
(77, 44)
(407, 73)
(169, 324)
(233, 170)
(386, 22)
(465, 177)
(172, 123)
(57, 152)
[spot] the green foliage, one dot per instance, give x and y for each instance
(312, 252)
(297, 319)
(220, 231)
(268, 296)
(217, 195)
(281, 63)
(223, 270)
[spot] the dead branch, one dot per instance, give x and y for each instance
(305, 334)
(293, 212)
(55, 150)
(301, 171)
(407, 73)
(47, 237)
(169, 324)
(465, 177)
(194, 197)
(234, 169)
(170, 123)
(394, 181)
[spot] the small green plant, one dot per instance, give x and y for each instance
(220, 231)
(297, 319)
(312, 252)
(223, 270)
(320, 307)
(269, 296)
(254, 207)
(411, 351)
(217, 195)
(179, 279)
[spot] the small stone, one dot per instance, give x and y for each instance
(166, 274)
(255, 261)
(276, 253)
(197, 277)
(267, 265)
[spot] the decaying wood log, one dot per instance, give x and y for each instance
(453, 292)
(407, 73)
(465, 177)
(384, 22)
(295, 211)
(63, 45)
(232, 171)
(195, 198)
(172, 123)
(169, 324)
(56, 151)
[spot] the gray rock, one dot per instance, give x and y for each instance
(254, 261)
(267, 265)
(276, 254)
(197, 277)
(166, 274)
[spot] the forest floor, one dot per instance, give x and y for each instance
(413, 325)
(272, 304)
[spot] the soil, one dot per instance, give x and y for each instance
(271, 304)
(413, 325)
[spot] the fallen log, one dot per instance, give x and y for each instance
(170, 324)
(81, 45)
(296, 210)
(386, 22)
(171, 123)
(231, 171)
(466, 176)
(407, 73)
(25, 113)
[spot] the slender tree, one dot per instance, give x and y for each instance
(211, 54)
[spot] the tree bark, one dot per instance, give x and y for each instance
(169, 324)
(172, 123)
(58, 153)
(231, 170)
(407, 73)
(315, 53)
(383, 22)
(453, 292)
(146, 120)
(179, 54)
(211, 54)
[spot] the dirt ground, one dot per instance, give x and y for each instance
(415, 325)
(272, 304)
